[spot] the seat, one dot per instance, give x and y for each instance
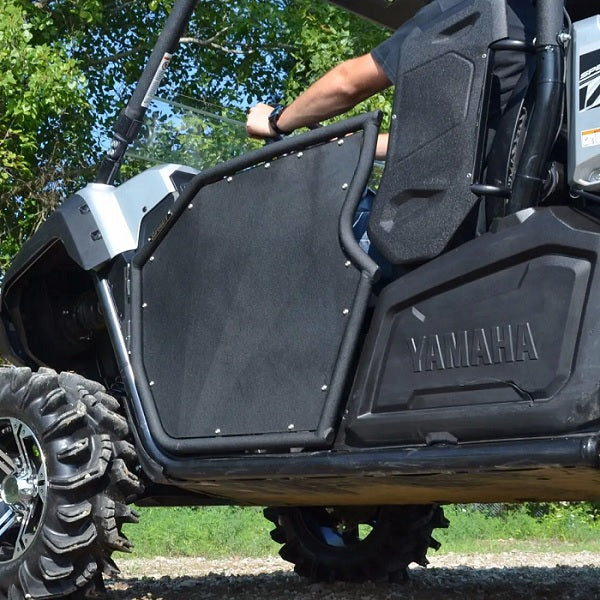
(442, 89)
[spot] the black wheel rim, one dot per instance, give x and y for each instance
(23, 488)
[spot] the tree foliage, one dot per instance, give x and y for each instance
(69, 68)
(42, 91)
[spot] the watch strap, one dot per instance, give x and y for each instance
(274, 117)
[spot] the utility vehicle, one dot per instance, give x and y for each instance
(217, 337)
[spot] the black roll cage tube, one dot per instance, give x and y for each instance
(547, 112)
(130, 120)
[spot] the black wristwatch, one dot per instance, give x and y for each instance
(274, 117)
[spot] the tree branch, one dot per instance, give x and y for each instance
(208, 42)
(199, 42)
(212, 43)
(117, 56)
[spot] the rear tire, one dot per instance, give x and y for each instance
(355, 543)
(65, 480)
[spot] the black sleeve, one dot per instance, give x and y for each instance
(387, 54)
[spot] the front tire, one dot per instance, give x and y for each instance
(355, 543)
(65, 480)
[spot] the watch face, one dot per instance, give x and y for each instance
(276, 111)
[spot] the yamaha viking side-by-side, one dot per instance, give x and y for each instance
(220, 337)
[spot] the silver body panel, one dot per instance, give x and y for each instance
(118, 211)
(584, 105)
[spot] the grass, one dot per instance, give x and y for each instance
(216, 532)
(474, 531)
(213, 532)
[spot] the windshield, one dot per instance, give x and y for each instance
(191, 132)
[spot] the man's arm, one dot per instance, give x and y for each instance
(382, 146)
(337, 91)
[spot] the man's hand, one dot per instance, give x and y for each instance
(257, 122)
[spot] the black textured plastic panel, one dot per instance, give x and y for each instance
(244, 299)
(444, 355)
(496, 339)
(425, 194)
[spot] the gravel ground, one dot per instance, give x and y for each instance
(506, 576)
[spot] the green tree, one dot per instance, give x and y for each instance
(42, 91)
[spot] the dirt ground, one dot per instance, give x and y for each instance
(506, 576)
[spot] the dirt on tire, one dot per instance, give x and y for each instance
(506, 576)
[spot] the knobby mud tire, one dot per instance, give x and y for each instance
(89, 468)
(400, 535)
